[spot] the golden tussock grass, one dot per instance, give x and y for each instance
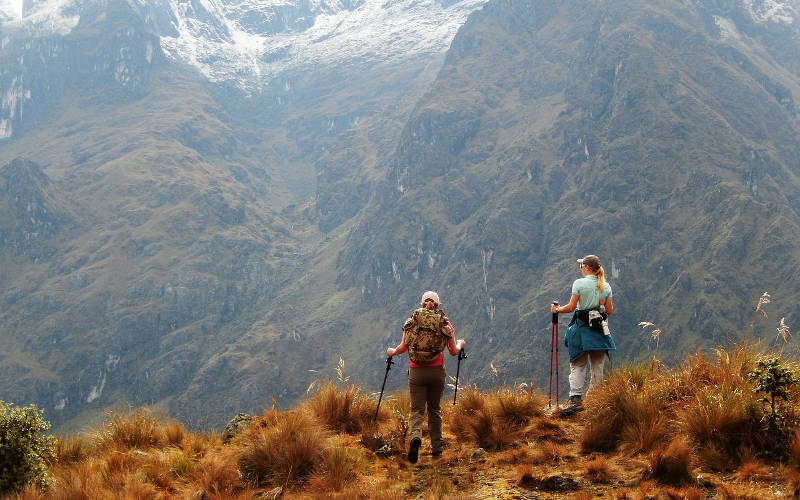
(173, 433)
(342, 409)
(620, 494)
(72, 449)
(214, 477)
(514, 456)
(284, 453)
(639, 407)
(672, 464)
(495, 419)
(752, 470)
(624, 407)
(690, 493)
(646, 426)
(794, 448)
(524, 474)
(139, 429)
(597, 469)
(723, 418)
(548, 452)
(340, 465)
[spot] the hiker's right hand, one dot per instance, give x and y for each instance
(460, 343)
(390, 351)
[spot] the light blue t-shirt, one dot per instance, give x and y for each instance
(588, 294)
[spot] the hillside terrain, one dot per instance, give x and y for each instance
(694, 432)
(203, 209)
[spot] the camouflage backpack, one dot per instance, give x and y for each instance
(426, 334)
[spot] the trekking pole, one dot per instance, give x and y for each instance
(553, 342)
(385, 376)
(462, 354)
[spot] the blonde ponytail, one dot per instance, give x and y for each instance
(601, 280)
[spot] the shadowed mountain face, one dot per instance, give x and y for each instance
(181, 243)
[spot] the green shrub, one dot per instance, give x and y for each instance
(24, 449)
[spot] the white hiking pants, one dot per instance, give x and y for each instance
(577, 372)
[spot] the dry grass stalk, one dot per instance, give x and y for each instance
(783, 331)
(340, 372)
(764, 299)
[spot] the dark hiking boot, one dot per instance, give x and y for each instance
(413, 450)
(575, 405)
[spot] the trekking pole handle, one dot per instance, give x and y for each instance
(555, 314)
(462, 354)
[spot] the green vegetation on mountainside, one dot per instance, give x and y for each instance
(206, 251)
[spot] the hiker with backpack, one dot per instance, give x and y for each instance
(588, 338)
(425, 335)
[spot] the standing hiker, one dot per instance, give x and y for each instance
(425, 335)
(588, 339)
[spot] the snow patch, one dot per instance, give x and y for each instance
(62, 403)
(777, 11)
(727, 28)
(10, 9)
(5, 129)
(220, 41)
(97, 390)
(47, 17)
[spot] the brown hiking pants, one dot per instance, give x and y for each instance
(425, 387)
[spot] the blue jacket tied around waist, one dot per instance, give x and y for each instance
(581, 338)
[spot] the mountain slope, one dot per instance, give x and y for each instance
(642, 132)
(216, 243)
(187, 206)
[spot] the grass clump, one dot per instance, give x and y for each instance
(137, 430)
(672, 464)
(496, 419)
(626, 408)
(285, 453)
(342, 410)
(714, 403)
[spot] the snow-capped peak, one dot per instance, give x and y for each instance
(250, 42)
(43, 16)
(10, 9)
